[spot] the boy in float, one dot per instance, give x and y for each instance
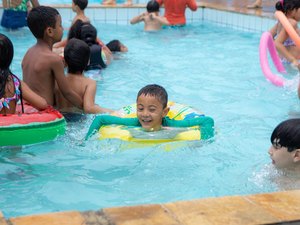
(78, 6)
(11, 88)
(41, 67)
(77, 55)
(285, 149)
(175, 10)
(151, 111)
(152, 20)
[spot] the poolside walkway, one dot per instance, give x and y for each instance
(271, 208)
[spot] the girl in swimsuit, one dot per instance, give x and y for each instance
(284, 45)
(12, 90)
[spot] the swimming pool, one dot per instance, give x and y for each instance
(221, 78)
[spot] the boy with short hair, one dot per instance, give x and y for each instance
(152, 110)
(77, 55)
(78, 6)
(153, 21)
(285, 149)
(42, 67)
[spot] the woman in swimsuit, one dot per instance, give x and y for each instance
(12, 90)
(284, 44)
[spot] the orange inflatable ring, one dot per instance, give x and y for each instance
(288, 27)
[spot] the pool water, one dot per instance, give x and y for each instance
(211, 68)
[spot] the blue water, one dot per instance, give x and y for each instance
(211, 68)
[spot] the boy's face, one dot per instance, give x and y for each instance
(281, 158)
(150, 112)
(58, 30)
(123, 48)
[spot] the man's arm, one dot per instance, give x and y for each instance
(192, 5)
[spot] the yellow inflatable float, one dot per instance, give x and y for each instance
(182, 123)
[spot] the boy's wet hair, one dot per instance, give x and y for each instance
(88, 33)
(152, 6)
(287, 5)
(41, 17)
(82, 4)
(77, 55)
(287, 134)
(114, 46)
(6, 56)
(75, 30)
(156, 91)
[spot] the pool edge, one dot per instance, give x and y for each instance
(267, 208)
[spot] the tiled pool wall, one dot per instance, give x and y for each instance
(122, 15)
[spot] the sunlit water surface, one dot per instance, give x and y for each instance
(211, 68)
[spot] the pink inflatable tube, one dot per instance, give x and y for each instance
(267, 43)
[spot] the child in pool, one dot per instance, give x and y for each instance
(77, 55)
(116, 46)
(76, 32)
(285, 149)
(11, 88)
(152, 110)
(78, 6)
(41, 67)
(284, 44)
(152, 20)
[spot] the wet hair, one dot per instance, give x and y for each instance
(77, 55)
(156, 91)
(88, 33)
(6, 56)
(82, 4)
(287, 5)
(152, 6)
(114, 46)
(75, 30)
(287, 134)
(41, 17)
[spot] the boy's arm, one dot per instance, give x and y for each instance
(64, 87)
(137, 19)
(34, 99)
(89, 105)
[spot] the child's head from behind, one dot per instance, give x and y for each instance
(287, 5)
(285, 149)
(45, 20)
(152, 6)
(88, 33)
(6, 56)
(6, 52)
(151, 106)
(77, 55)
(82, 4)
(116, 46)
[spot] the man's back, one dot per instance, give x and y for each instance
(175, 10)
(39, 65)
